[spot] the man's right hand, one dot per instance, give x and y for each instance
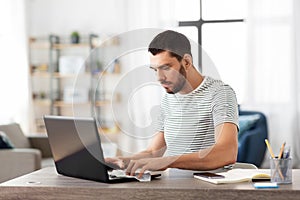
(117, 162)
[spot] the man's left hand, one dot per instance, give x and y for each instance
(151, 164)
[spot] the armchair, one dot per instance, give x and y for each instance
(251, 142)
(26, 156)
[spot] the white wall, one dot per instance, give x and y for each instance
(64, 16)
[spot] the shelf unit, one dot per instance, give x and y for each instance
(50, 85)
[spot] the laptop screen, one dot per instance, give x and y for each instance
(76, 147)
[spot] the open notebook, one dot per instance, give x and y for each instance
(238, 175)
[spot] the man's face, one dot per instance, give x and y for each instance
(170, 72)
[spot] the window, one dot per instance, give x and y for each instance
(13, 70)
(221, 32)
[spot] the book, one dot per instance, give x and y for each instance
(237, 176)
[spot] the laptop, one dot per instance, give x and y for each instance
(76, 148)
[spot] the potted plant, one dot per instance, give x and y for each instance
(75, 37)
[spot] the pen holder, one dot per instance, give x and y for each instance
(281, 170)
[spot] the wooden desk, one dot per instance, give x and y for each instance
(174, 184)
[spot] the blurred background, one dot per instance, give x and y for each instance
(253, 45)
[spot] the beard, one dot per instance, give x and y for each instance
(179, 84)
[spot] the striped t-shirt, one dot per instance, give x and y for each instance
(188, 121)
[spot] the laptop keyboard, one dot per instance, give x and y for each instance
(117, 174)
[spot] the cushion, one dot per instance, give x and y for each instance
(5, 142)
(16, 135)
(247, 122)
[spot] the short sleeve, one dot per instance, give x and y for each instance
(224, 106)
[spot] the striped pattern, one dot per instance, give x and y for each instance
(188, 121)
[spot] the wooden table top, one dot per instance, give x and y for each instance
(173, 184)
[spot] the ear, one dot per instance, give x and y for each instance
(187, 61)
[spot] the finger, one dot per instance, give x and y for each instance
(108, 160)
(135, 166)
(115, 163)
(125, 162)
(112, 160)
(120, 163)
(129, 167)
(141, 173)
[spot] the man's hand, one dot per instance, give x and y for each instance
(118, 162)
(152, 164)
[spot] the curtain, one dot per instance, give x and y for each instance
(296, 37)
(140, 92)
(14, 69)
(272, 80)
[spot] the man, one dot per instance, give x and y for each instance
(199, 115)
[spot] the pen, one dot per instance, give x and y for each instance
(287, 152)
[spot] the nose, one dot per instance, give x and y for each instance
(160, 75)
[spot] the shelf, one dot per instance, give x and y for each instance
(45, 74)
(59, 75)
(102, 103)
(52, 87)
(111, 132)
(67, 104)
(66, 46)
(105, 73)
(41, 74)
(42, 102)
(40, 45)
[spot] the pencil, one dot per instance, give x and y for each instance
(277, 168)
(269, 148)
(281, 151)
